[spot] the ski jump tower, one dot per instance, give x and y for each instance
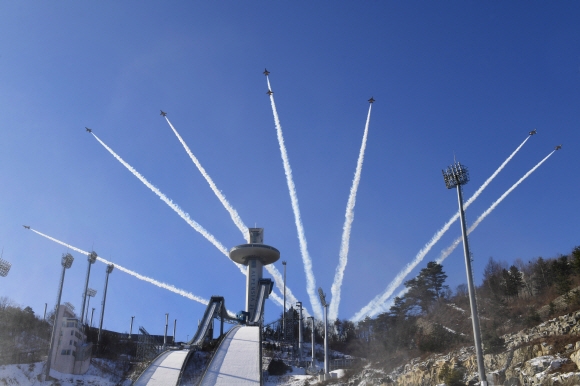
(254, 255)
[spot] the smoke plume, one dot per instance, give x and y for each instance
(310, 280)
(159, 284)
(446, 252)
(381, 298)
(346, 228)
(172, 205)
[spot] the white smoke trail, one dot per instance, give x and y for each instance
(310, 280)
(159, 284)
(172, 205)
(381, 298)
(233, 213)
(346, 228)
(446, 252)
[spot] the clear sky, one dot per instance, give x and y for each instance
(462, 78)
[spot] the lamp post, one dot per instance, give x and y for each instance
(312, 321)
(174, 328)
(131, 327)
(165, 336)
(322, 296)
(92, 314)
(456, 176)
(91, 293)
(91, 257)
(109, 270)
(66, 263)
(300, 339)
(284, 307)
(4, 267)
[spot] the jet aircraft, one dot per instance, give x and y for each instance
(533, 132)
(266, 72)
(89, 130)
(270, 92)
(558, 147)
(26, 226)
(163, 113)
(371, 100)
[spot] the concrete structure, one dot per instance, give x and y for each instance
(254, 255)
(72, 353)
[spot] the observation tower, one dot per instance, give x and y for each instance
(254, 255)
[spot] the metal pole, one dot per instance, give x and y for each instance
(92, 314)
(313, 358)
(165, 336)
(66, 262)
(284, 308)
(131, 328)
(174, 328)
(109, 270)
(471, 289)
(300, 339)
(44, 317)
(326, 364)
(88, 303)
(91, 258)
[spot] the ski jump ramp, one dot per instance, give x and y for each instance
(164, 370)
(237, 360)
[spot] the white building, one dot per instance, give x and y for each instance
(71, 353)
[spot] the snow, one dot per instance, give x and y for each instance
(237, 360)
(28, 374)
(164, 370)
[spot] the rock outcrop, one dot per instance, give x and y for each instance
(529, 359)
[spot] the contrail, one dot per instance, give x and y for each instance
(233, 213)
(346, 228)
(457, 241)
(169, 287)
(172, 205)
(381, 298)
(310, 280)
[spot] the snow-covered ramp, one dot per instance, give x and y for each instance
(164, 370)
(237, 360)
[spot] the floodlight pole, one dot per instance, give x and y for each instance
(165, 336)
(92, 314)
(455, 176)
(45, 305)
(66, 262)
(284, 307)
(300, 339)
(312, 319)
(131, 327)
(90, 294)
(174, 328)
(91, 257)
(109, 270)
(322, 297)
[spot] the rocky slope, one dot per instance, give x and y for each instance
(543, 355)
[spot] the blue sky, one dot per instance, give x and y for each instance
(464, 78)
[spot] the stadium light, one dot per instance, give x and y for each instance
(456, 176)
(66, 262)
(4, 267)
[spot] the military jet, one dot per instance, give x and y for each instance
(89, 130)
(371, 100)
(558, 147)
(270, 92)
(26, 226)
(533, 132)
(163, 113)
(266, 72)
